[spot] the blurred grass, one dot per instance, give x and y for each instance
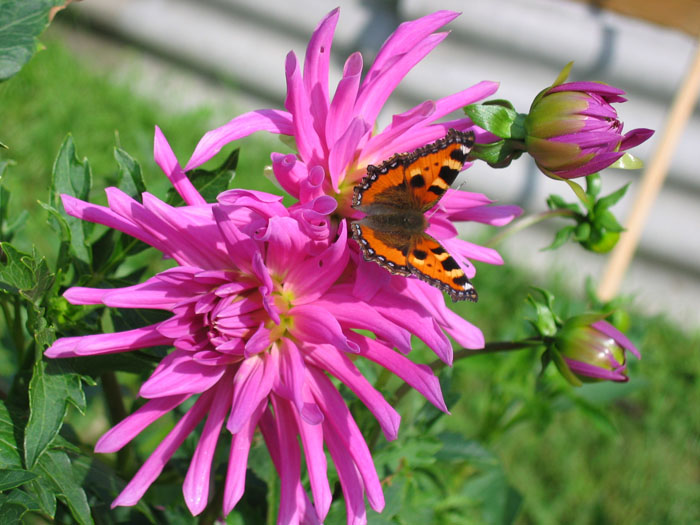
(645, 469)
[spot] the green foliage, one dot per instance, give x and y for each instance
(21, 22)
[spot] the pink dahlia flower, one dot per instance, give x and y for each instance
(263, 309)
(573, 130)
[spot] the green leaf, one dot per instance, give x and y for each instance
(628, 162)
(45, 494)
(73, 177)
(561, 237)
(15, 273)
(12, 478)
(21, 22)
(502, 121)
(9, 451)
(500, 502)
(15, 505)
(130, 175)
(457, 448)
(52, 387)
(57, 468)
(608, 221)
(609, 200)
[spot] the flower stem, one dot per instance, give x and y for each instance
(117, 412)
(526, 222)
(489, 348)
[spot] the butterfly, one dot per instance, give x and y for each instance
(395, 196)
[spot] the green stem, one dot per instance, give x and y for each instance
(117, 412)
(526, 222)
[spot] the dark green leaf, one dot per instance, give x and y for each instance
(21, 22)
(52, 387)
(130, 176)
(458, 448)
(497, 154)
(44, 492)
(73, 177)
(15, 273)
(9, 454)
(12, 478)
(15, 505)
(56, 466)
(500, 502)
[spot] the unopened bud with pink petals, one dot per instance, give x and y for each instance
(573, 130)
(593, 350)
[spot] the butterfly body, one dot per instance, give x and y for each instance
(395, 196)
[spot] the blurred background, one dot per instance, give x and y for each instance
(112, 69)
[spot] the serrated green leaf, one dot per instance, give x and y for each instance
(21, 22)
(12, 478)
(52, 387)
(9, 451)
(56, 467)
(73, 177)
(130, 175)
(15, 273)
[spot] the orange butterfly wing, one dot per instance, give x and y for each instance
(394, 195)
(433, 168)
(431, 263)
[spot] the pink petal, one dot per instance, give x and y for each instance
(238, 459)
(343, 151)
(290, 467)
(330, 359)
(312, 441)
(153, 466)
(289, 172)
(290, 381)
(102, 215)
(620, 338)
(271, 120)
(420, 377)
(318, 54)
(241, 248)
(128, 428)
(298, 104)
(375, 91)
(177, 374)
(165, 158)
(195, 488)
(405, 38)
(251, 384)
(340, 112)
(314, 324)
(258, 342)
(310, 279)
(339, 417)
(97, 344)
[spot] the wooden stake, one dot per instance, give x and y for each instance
(653, 179)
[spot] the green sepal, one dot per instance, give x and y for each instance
(561, 237)
(563, 368)
(628, 162)
(497, 117)
(497, 154)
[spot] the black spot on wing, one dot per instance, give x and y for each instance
(450, 264)
(420, 254)
(437, 190)
(448, 174)
(461, 280)
(458, 155)
(417, 181)
(438, 250)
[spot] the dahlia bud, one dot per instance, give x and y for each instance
(592, 350)
(572, 129)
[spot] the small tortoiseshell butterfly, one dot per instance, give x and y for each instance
(395, 196)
